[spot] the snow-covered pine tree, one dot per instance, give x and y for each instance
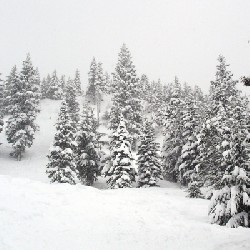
(61, 167)
(230, 205)
(145, 88)
(121, 173)
(126, 97)
(91, 89)
(45, 86)
(187, 161)
(217, 129)
(73, 105)
(21, 125)
(149, 161)
(63, 83)
(10, 90)
(87, 154)
(55, 90)
(1, 104)
(173, 140)
(77, 82)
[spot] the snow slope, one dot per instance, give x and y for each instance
(35, 214)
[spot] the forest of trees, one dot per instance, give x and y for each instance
(205, 137)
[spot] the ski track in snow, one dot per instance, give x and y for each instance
(35, 214)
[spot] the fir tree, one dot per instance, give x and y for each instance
(91, 90)
(61, 167)
(73, 105)
(121, 173)
(77, 83)
(45, 86)
(1, 103)
(87, 155)
(126, 98)
(10, 89)
(230, 205)
(54, 90)
(21, 128)
(173, 140)
(149, 162)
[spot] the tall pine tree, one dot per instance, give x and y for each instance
(61, 167)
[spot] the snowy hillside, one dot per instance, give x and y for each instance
(35, 214)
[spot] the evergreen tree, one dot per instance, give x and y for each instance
(61, 167)
(45, 87)
(21, 128)
(73, 105)
(173, 140)
(10, 90)
(87, 155)
(91, 90)
(126, 97)
(121, 173)
(149, 162)
(187, 162)
(217, 130)
(77, 83)
(1, 103)
(230, 205)
(55, 90)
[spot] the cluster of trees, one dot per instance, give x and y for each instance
(206, 140)
(76, 153)
(53, 87)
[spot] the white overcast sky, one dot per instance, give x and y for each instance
(166, 38)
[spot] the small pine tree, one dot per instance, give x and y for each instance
(87, 155)
(61, 167)
(55, 90)
(1, 104)
(149, 163)
(230, 205)
(21, 128)
(91, 90)
(73, 105)
(121, 173)
(77, 83)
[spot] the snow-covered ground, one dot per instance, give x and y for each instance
(35, 214)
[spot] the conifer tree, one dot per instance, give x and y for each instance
(21, 126)
(73, 105)
(10, 90)
(173, 140)
(1, 104)
(87, 155)
(77, 83)
(217, 129)
(55, 90)
(61, 167)
(63, 83)
(121, 173)
(149, 162)
(126, 99)
(45, 86)
(91, 90)
(230, 205)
